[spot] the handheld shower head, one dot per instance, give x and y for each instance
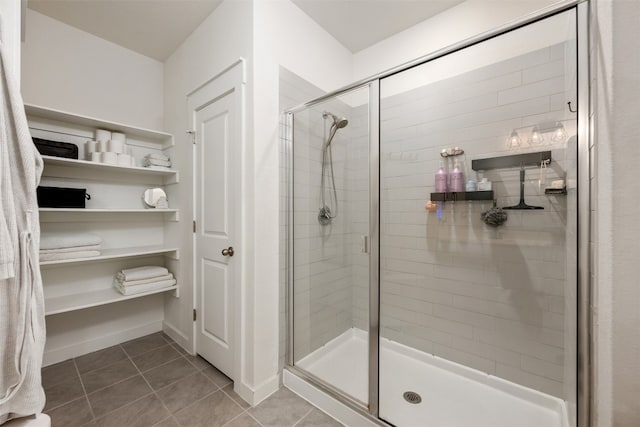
(338, 122)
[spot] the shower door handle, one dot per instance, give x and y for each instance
(228, 251)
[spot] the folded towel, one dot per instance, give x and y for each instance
(140, 273)
(162, 168)
(145, 281)
(73, 249)
(154, 162)
(157, 156)
(68, 240)
(138, 289)
(69, 255)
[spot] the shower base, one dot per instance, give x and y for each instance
(452, 395)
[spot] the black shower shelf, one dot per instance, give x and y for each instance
(557, 191)
(454, 196)
(514, 161)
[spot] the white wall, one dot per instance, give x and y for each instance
(71, 70)
(283, 36)
(616, 88)
(10, 16)
(463, 21)
(223, 38)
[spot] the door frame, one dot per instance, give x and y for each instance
(232, 80)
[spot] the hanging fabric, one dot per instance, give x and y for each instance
(22, 326)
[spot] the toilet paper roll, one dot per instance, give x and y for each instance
(103, 146)
(90, 147)
(124, 159)
(96, 156)
(118, 136)
(102, 135)
(110, 158)
(133, 162)
(116, 146)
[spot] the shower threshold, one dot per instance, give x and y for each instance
(452, 395)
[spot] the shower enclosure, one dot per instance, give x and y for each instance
(422, 308)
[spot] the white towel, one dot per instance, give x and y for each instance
(22, 325)
(145, 281)
(73, 249)
(68, 255)
(162, 168)
(154, 162)
(138, 289)
(140, 273)
(157, 156)
(68, 240)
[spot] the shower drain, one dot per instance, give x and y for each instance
(412, 397)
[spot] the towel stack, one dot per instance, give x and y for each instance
(137, 280)
(156, 160)
(59, 246)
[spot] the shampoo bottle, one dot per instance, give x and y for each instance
(456, 179)
(441, 179)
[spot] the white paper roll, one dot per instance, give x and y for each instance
(110, 158)
(116, 146)
(118, 136)
(124, 160)
(96, 156)
(102, 135)
(90, 147)
(102, 146)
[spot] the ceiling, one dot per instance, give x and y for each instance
(154, 28)
(358, 24)
(150, 27)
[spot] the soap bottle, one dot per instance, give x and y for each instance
(484, 185)
(441, 180)
(456, 179)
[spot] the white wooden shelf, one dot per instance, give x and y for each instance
(61, 121)
(82, 300)
(110, 254)
(69, 214)
(169, 176)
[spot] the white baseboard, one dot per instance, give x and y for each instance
(61, 354)
(326, 403)
(181, 339)
(258, 394)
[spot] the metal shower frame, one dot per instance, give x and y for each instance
(584, 285)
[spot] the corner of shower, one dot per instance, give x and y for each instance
(391, 306)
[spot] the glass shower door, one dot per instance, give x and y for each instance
(478, 304)
(329, 242)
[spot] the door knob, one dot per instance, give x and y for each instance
(228, 251)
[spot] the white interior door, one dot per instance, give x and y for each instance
(216, 117)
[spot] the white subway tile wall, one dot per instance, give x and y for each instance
(501, 300)
(494, 299)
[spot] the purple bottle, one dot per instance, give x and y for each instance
(441, 180)
(456, 179)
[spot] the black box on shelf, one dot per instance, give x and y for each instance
(60, 197)
(55, 148)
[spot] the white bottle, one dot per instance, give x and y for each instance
(484, 185)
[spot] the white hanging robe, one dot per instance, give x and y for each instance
(22, 326)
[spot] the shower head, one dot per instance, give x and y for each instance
(338, 122)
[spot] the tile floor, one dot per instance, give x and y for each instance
(151, 381)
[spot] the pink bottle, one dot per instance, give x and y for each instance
(456, 179)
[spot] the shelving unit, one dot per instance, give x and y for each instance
(132, 235)
(112, 254)
(82, 300)
(71, 168)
